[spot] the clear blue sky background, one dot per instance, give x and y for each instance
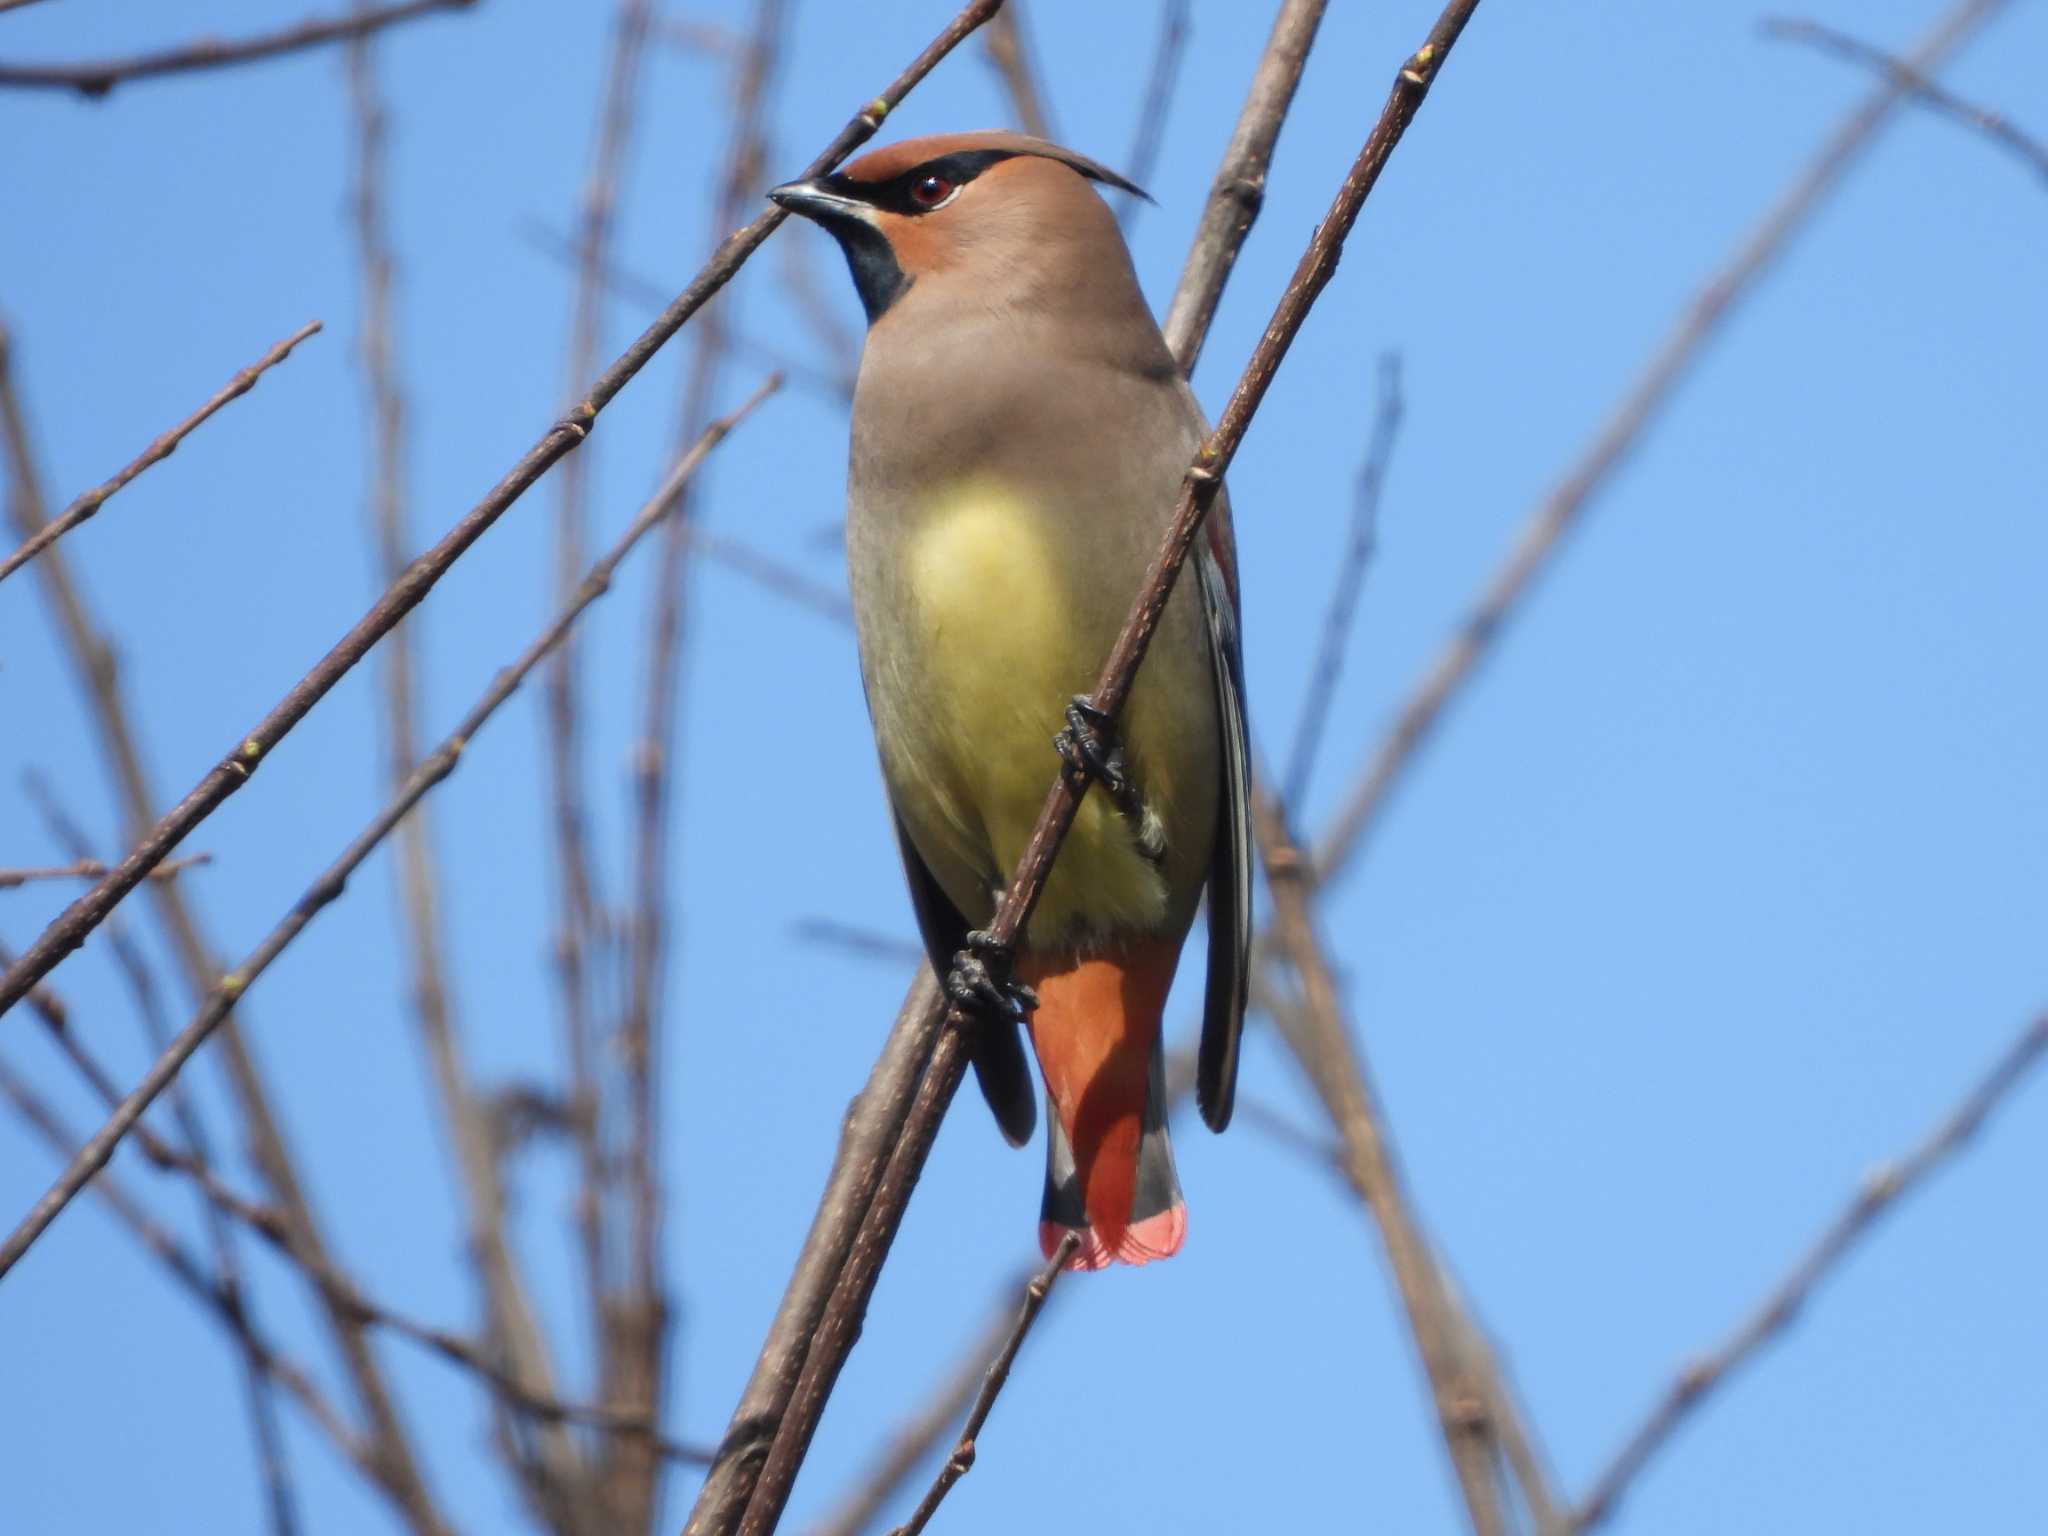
(1717, 888)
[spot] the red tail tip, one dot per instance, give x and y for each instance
(1156, 1237)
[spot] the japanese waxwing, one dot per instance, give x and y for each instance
(1020, 431)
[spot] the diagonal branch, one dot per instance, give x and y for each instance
(961, 1462)
(158, 450)
(1882, 1190)
(70, 928)
(1994, 125)
(1542, 537)
(435, 767)
(99, 76)
(841, 1321)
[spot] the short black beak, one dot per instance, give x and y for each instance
(815, 201)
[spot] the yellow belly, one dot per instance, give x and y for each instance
(997, 653)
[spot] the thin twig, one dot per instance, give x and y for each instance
(1880, 1193)
(70, 928)
(962, 1460)
(1994, 125)
(1358, 553)
(840, 1323)
(162, 448)
(1150, 133)
(95, 869)
(1239, 190)
(1543, 535)
(553, 1481)
(434, 768)
(1007, 51)
(99, 76)
(918, 1435)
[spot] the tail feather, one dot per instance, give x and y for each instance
(1109, 1163)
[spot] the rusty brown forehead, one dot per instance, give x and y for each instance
(893, 160)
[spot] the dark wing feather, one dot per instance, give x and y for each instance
(998, 1054)
(1230, 866)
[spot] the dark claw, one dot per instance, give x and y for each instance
(1083, 747)
(980, 980)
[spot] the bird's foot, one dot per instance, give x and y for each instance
(980, 980)
(1086, 748)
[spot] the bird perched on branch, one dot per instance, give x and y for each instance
(1020, 431)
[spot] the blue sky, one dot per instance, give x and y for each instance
(1717, 888)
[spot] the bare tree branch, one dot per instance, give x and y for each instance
(94, 869)
(98, 77)
(160, 449)
(1343, 609)
(1880, 1194)
(70, 928)
(962, 1460)
(841, 1321)
(1994, 125)
(1239, 191)
(434, 768)
(1543, 535)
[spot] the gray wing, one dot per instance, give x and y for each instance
(998, 1053)
(1230, 866)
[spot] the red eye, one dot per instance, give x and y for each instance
(930, 191)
